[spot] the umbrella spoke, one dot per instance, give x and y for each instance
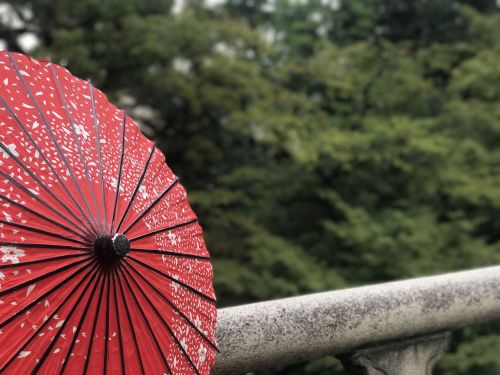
(106, 336)
(47, 321)
(189, 287)
(146, 321)
(80, 323)
(131, 326)
(41, 231)
(40, 298)
(44, 157)
(75, 136)
(164, 230)
(139, 182)
(56, 144)
(4, 292)
(145, 212)
(170, 253)
(120, 340)
(91, 337)
(120, 169)
(39, 261)
(171, 304)
(56, 223)
(98, 146)
(34, 196)
(40, 183)
(61, 328)
(44, 246)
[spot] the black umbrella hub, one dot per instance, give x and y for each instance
(110, 249)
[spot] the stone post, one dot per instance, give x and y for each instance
(416, 356)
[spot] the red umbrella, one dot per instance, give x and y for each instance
(103, 266)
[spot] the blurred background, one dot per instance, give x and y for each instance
(324, 143)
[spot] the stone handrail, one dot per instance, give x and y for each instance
(398, 327)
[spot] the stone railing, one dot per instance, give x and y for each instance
(397, 328)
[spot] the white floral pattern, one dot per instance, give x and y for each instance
(11, 148)
(11, 254)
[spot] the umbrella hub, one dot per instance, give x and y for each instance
(110, 249)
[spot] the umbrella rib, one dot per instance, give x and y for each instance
(80, 324)
(43, 246)
(171, 253)
(120, 169)
(75, 136)
(40, 183)
(41, 231)
(136, 344)
(61, 329)
(189, 287)
(145, 212)
(40, 298)
(45, 260)
(122, 358)
(56, 144)
(44, 157)
(99, 156)
(43, 324)
(146, 321)
(4, 292)
(106, 337)
(91, 337)
(136, 188)
(164, 229)
(56, 223)
(171, 304)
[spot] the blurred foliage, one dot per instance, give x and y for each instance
(324, 143)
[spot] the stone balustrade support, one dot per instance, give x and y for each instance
(415, 356)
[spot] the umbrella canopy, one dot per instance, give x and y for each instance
(103, 266)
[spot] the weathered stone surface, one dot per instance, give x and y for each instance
(416, 356)
(275, 333)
